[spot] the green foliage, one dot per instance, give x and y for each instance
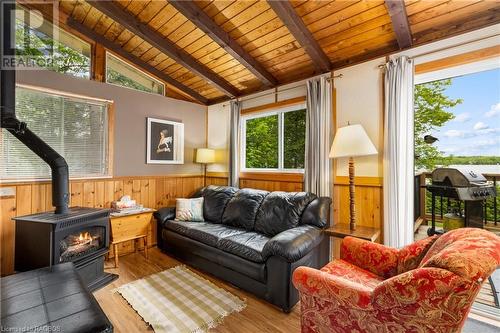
(58, 57)
(294, 139)
(116, 77)
(262, 142)
(431, 112)
(468, 160)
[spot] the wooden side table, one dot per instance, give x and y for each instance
(341, 230)
(130, 226)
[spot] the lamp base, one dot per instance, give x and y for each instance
(352, 206)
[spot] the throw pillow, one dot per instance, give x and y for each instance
(189, 209)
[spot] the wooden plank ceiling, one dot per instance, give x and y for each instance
(254, 49)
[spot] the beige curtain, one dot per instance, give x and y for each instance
(398, 152)
(234, 139)
(319, 136)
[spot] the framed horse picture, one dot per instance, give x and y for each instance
(165, 142)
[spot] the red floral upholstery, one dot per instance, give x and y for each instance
(428, 286)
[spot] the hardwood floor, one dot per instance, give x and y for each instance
(258, 316)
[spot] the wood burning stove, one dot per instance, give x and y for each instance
(80, 236)
(50, 238)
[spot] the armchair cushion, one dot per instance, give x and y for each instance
(376, 258)
(410, 256)
(293, 244)
(322, 285)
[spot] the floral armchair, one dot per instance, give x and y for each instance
(427, 286)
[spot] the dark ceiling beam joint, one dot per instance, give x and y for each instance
(131, 23)
(196, 15)
(288, 15)
(89, 33)
(400, 24)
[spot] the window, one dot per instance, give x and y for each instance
(274, 140)
(122, 74)
(77, 128)
(47, 46)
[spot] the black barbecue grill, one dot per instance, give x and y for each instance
(464, 185)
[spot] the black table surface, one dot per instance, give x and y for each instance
(50, 300)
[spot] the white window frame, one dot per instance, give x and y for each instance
(135, 68)
(281, 131)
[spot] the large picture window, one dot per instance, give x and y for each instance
(275, 140)
(51, 47)
(77, 128)
(122, 74)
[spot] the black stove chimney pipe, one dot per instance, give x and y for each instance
(8, 120)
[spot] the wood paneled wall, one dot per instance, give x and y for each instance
(29, 198)
(368, 197)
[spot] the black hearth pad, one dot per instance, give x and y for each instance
(50, 299)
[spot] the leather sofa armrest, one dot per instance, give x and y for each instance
(293, 244)
(164, 214)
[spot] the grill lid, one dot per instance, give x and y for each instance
(458, 177)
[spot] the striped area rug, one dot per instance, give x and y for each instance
(178, 300)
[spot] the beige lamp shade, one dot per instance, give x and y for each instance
(205, 155)
(352, 141)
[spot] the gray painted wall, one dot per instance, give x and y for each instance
(131, 110)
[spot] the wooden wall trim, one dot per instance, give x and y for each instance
(359, 181)
(459, 59)
(273, 176)
(6, 183)
(31, 198)
(270, 106)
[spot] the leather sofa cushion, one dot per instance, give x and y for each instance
(207, 233)
(215, 201)
(293, 244)
(247, 245)
(242, 209)
(192, 248)
(317, 213)
(281, 211)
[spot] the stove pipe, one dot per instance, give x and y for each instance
(8, 120)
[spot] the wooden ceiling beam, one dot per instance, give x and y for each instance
(131, 23)
(288, 15)
(196, 15)
(90, 34)
(400, 24)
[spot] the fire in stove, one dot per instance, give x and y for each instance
(79, 244)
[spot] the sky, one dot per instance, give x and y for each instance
(475, 131)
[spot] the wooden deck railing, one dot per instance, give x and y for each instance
(422, 207)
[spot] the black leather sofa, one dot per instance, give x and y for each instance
(251, 238)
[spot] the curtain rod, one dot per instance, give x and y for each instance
(275, 92)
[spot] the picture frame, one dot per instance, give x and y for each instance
(165, 142)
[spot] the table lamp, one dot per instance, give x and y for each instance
(352, 141)
(205, 156)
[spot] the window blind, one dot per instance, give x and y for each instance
(76, 128)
